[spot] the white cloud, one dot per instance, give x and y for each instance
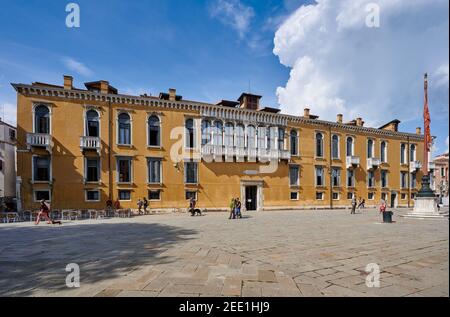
(339, 65)
(234, 14)
(8, 113)
(77, 66)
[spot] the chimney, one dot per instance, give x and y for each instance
(339, 118)
(359, 122)
(104, 86)
(68, 82)
(172, 94)
(306, 113)
(418, 130)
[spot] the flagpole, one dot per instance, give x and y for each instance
(426, 128)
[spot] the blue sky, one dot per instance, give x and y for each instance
(211, 50)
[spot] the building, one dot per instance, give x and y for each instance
(441, 176)
(7, 160)
(81, 147)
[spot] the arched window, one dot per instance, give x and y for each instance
(261, 138)
(350, 147)
(335, 146)
(124, 129)
(383, 152)
(206, 132)
(154, 131)
(190, 139)
(271, 134)
(294, 142)
(403, 153)
(281, 138)
(92, 123)
(42, 119)
(218, 133)
(319, 144)
(369, 148)
(229, 134)
(251, 137)
(412, 154)
(240, 136)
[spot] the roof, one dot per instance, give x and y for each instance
(269, 109)
(247, 94)
(395, 121)
(165, 96)
(96, 85)
(228, 103)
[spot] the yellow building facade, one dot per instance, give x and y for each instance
(79, 148)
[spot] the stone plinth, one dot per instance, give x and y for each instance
(425, 207)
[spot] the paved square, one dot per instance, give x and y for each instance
(280, 253)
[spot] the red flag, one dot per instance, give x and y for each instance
(426, 118)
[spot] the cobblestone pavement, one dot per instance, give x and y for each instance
(279, 253)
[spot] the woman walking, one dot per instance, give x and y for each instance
(232, 206)
(145, 205)
(140, 203)
(44, 212)
(238, 208)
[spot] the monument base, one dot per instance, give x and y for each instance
(425, 207)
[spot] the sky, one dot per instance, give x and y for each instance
(344, 56)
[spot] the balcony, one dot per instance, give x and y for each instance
(40, 140)
(285, 155)
(373, 163)
(414, 166)
(352, 161)
(240, 152)
(229, 152)
(90, 143)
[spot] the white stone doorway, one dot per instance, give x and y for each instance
(252, 195)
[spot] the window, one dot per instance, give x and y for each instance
(413, 196)
(190, 172)
(271, 135)
(294, 195)
(229, 134)
(92, 169)
(191, 194)
(124, 170)
(335, 196)
(371, 196)
(403, 196)
(190, 138)
(125, 195)
(350, 178)
(42, 119)
(370, 179)
(41, 169)
(384, 179)
(350, 147)
(154, 131)
(412, 153)
(92, 124)
(369, 148)
(294, 172)
(261, 138)
(384, 196)
(350, 196)
(12, 134)
(42, 194)
(319, 144)
(442, 172)
(92, 195)
(319, 176)
(294, 142)
(218, 133)
(206, 132)
(383, 152)
(319, 196)
(403, 179)
(154, 170)
(335, 146)
(240, 136)
(251, 137)
(281, 135)
(413, 180)
(1, 165)
(402, 153)
(154, 195)
(336, 177)
(124, 129)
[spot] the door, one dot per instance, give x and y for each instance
(393, 199)
(251, 198)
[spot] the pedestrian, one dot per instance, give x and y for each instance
(382, 206)
(145, 205)
(354, 203)
(140, 203)
(360, 203)
(232, 206)
(117, 204)
(238, 208)
(44, 211)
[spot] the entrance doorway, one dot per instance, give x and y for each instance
(393, 200)
(251, 198)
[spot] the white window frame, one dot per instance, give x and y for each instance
(197, 172)
(401, 180)
(386, 159)
(373, 196)
(323, 175)
(126, 190)
(154, 190)
(338, 196)
(338, 147)
(99, 171)
(353, 178)
(85, 121)
(160, 131)
(160, 170)
(413, 158)
(50, 167)
(191, 191)
(386, 172)
(322, 194)
(297, 138)
(372, 155)
(298, 178)
(92, 190)
(352, 151)
(50, 108)
(404, 152)
(373, 180)
(294, 192)
(339, 177)
(130, 159)
(323, 144)
(42, 190)
(118, 129)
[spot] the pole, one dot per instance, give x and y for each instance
(426, 144)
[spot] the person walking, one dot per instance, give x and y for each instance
(354, 203)
(382, 206)
(238, 208)
(145, 205)
(192, 206)
(44, 212)
(232, 207)
(140, 203)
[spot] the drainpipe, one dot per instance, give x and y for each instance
(109, 151)
(408, 154)
(329, 166)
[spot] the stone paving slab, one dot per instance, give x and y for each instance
(277, 253)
